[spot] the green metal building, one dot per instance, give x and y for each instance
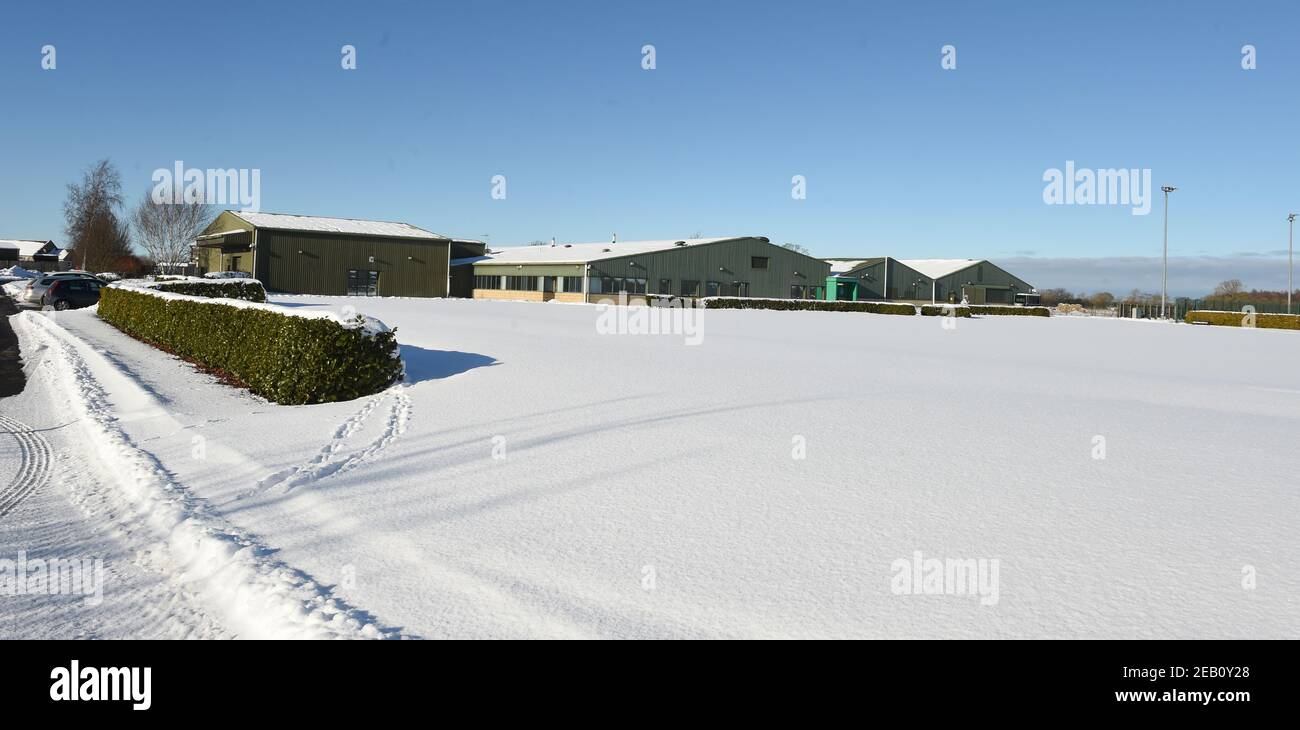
(746, 266)
(341, 256)
(924, 280)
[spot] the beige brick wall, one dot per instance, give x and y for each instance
(507, 294)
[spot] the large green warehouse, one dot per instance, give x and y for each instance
(313, 255)
(924, 280)
(746, 266)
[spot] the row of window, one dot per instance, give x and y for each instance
(529, 283)
(631, 285)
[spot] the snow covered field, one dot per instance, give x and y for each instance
(534, 478)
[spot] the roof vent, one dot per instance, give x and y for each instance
(680, 243)
(604, 250)
(568, 245)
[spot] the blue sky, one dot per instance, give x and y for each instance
(901, 157)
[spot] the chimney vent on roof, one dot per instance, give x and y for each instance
(680, 243)
(552, 241)
(614, 240)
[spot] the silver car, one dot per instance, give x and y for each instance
(34, 294)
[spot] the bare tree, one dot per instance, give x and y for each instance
(1229, 288)
(166, 230)
(1101, 300)
(796, 248)
(97, 237)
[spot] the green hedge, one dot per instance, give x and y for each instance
(283, 358)
(994, 309)
(249, 290)
(944, 310)
(807, 304)
(1235, 319)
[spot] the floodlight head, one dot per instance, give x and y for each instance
(1291, 217)
(1168, 188)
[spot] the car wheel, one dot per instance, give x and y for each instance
(62, 305)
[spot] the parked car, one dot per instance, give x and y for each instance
(71, 292)
(34, 295)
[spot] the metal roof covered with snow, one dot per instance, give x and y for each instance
(844, 266)
(581, 253)
(25, 247)
(351, 226)
(938, 268)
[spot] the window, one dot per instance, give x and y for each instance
(619, 284)
(758, 262)
(521, 283)
(736, 289)
(665, 286)
(690, 288)
(363, 283)
(798, 291)
(482, 281)
(711, 288)
(816, 292)
(234, 264)
(573, 283)
(595, 285)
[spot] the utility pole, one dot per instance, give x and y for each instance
(1164, 272)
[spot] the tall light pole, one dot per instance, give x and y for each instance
(1290, 240)
(1164, 272)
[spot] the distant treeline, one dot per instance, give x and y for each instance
(1228, 291)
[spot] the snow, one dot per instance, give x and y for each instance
(579, 253)
(937, 268)
(840, 266)
(27, 248)
(285, 222)
(227, 275)
(533, 478)
(255, 595)
(19, 273)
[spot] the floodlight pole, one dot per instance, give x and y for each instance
(1290, 241)
(1164, 270)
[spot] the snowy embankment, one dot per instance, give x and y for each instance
(254, 594)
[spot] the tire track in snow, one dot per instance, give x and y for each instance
(257, 595)
(37, 459)
(328, 461)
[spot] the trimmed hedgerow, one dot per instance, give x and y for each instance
(1237, 319)
(944, 310)
(994, 309)
(807, 304)
(284, 358)
(249, 290)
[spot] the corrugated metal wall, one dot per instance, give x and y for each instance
(314, 263)
(985, 284)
